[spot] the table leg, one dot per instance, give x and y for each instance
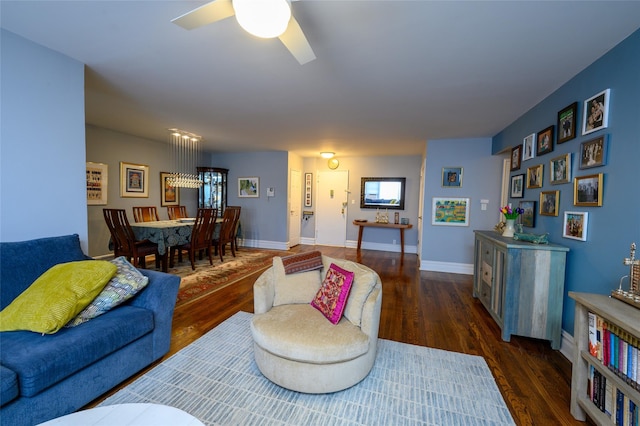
(402, 240)
(164, 259)
(360, 229)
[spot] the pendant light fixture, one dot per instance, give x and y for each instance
(185, 152)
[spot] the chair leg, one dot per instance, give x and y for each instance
(192, 256)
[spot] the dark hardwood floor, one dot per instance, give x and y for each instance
(429, 309)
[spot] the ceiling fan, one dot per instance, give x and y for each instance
(254, 12)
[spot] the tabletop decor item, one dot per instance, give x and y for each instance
(510, 216)
(532, 238)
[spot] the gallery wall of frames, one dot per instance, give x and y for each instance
(534, 166)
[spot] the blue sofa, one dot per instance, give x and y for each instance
(47, 376)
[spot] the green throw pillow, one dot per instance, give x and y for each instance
(57, 296)
(125, 284)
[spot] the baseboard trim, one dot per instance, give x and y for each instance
(450, 267)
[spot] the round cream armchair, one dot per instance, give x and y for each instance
(296, 347)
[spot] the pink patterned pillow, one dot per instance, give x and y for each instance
(331, 299)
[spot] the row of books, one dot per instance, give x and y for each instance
(615, 348)
(611, 400)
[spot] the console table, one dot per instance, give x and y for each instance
(398, 226)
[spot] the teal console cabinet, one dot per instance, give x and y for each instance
(521, 284)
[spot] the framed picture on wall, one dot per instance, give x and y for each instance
(575, 225)
(593, 153)
(545, 141)
(448, 211)
(534, 176)
(169, 194)
(134, 180)
(516, 157)
(308, 179)
(248, 187)
(587, 190)
(549, 203)
(560, 169)
(567, 123)
(529, 147)
(452, 177)
(595, 114)
(97, 184)
(528, 217)
(517, 186)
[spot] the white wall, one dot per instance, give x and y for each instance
(42, 143)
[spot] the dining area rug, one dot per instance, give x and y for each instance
(216, 380)
(207, 279)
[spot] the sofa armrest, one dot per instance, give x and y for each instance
(371, 313)
(159, 296)
(263, 292)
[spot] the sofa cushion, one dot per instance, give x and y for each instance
(22, 262)
(302, 262)
(57, 296)
(302, 333)
(364, 280)
(8, 385)
(43, 360)
(294, 288)
(125, 284)
(333, 293)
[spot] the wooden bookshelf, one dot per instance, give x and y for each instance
(617, 313)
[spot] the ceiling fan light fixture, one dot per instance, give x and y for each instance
(263, 18)
(327, 154)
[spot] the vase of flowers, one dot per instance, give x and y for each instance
(510, 216)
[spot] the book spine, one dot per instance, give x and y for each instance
(593, 344)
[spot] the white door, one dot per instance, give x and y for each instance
(295, 201)
(331, 211)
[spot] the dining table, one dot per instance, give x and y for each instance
(165, 233)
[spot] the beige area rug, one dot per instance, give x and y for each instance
(207, 279)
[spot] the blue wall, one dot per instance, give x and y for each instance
(450, 248)
(594, 266)
(42, 142)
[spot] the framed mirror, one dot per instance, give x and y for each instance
(382, 193)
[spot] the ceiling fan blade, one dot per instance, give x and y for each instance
(205, 14)
(294, 39)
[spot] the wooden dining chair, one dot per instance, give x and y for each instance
(124, 240)
(145, 214)
(177, 212)
(201, 237)
(228, 229)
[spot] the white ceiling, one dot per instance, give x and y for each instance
(389, 75)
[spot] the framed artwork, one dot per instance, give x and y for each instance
(517, 186)
(560, 169)
(134, 180)
(97, 184)
(450, 211)
(529, 147)
(452, 177)
(248, 187)
(516, 157)
(308, 179)
(595, 115)
(169, 194)
(549, 202)
(593, 153)
(567, 123)
(587, 190)
(575, 225)
(528, 217)
(545, 141)
(534, 176)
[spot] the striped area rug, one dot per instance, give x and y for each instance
(216, 380)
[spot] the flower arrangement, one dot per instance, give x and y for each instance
(510, 213)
